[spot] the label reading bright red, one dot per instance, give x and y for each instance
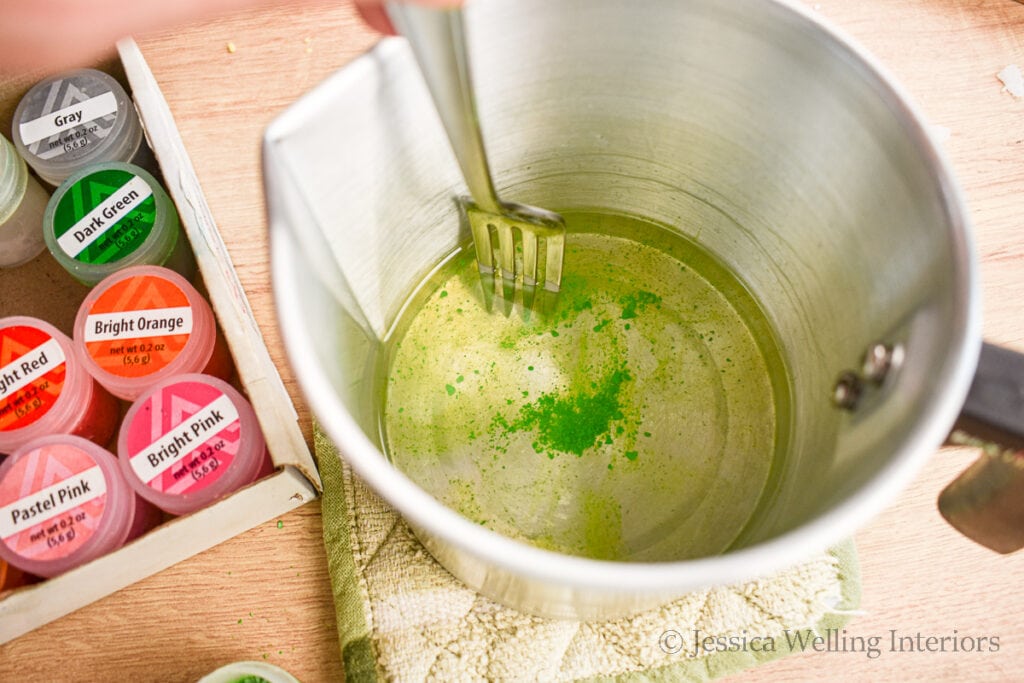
(51, 502)
(184, 437)
(32, 372)
(138, 326)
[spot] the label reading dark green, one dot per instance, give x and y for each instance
(105, 216)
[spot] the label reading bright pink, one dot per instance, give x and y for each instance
(51, 502)
(184, 437)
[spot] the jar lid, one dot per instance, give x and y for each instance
(63, 502)
(109, 216)
(142, 324)
(189, 440)
(70, 120)
(13, 179)
(42, 381)
(33, 373)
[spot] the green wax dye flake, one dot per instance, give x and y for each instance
(632, 304)
(601, 325)
(460, 379)
(105, 216)
(280, 524)
(443, 294)
(450, 389)
(631, 455)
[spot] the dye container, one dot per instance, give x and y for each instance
(110, 216)
(190, 440)
(22, 203)
(75, 119)
(10, 577)
(249, 672)
(144, 324)
(45, 388)
(63, 502)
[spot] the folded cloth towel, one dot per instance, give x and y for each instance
(401, 616)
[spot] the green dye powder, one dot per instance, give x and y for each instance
(576, 421)
(637, 420)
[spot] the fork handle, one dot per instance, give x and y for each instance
(438, 42)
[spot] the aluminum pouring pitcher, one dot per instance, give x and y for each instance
(749, 126)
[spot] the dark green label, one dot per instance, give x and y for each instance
(105, 216)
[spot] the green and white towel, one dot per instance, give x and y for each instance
(401, 616)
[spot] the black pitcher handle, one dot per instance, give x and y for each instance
(986, 502)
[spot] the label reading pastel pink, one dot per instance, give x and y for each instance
(184, 437)
(51, 502)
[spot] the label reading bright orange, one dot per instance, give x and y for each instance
(32, 372)
(51, 502)
(138, 326)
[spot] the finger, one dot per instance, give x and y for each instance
(375, 15)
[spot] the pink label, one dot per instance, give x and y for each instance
(51, 502)
(184, 437)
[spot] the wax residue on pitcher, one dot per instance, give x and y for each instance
(636, 421)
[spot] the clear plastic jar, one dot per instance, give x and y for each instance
(189, 441)
(63, 502)
(10, 577)
(110, 216)
(75, 119)
(45, 388)
(144, 324)
(22, 203)
(249, 672)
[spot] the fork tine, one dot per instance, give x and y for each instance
(529, 257)
(555, 245)
(506, 250)
(482, 243)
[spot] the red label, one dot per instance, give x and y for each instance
(32, 373)
(184, 437)
(51, 502)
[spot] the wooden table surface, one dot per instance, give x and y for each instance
(266, 595)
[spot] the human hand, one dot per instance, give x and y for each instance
(55, 34)
(375, 15)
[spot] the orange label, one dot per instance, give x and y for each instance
(32, 372)
(138, 326)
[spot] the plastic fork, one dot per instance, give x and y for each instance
(438, 41)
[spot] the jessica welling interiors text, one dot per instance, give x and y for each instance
(698, 643)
